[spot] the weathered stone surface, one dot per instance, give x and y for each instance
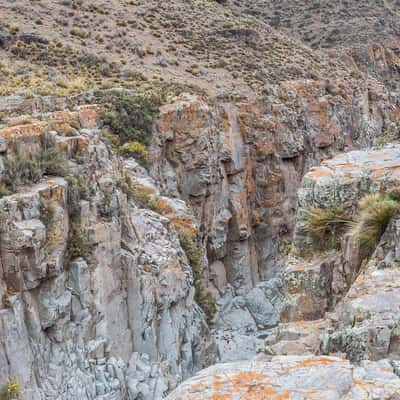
(239, 166)
(308, 289)
(369, 315)
(316, 286)
(118, 320)
(244, 319)
(298, 338)
(291, 377)
(346, 177)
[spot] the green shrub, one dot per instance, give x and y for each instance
(77, 245)
(131, 117)
(52, 160)
(325, 226)
(374, 215)
(288, 248)
(195, 256)
(105, 206)
(136, 150)
(21, 169)
(137, 193)
(3, 190)
(12, 390)
(78, 189)
(393, 194)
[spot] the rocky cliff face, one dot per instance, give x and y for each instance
(330, 306)
(239, 165)
(181, 262)
(96, 285)
(97, 293)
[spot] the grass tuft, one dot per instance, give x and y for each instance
(325, 226)
(21, 169)
(374, 215)
(12, 390)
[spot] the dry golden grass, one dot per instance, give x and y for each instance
(374, 214)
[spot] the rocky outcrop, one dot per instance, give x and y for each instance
(356, 308)
(239, 165)
(315, 286)
(97, 293)
(99, 288)
(328, 306)
(292, 377)
(245, 318)
(368, 318)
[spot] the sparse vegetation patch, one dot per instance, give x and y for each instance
(374, 214)
(194, 254)
(326, 226)
(21, 169)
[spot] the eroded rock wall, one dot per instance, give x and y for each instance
(239, 165)
(97, 293)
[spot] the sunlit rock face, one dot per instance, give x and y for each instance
(239, 165)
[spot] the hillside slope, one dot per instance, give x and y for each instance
(330, 24)
(50, 43)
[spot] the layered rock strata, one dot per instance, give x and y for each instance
(97, 293)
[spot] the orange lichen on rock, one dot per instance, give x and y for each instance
(253, 385)
(63, 128)
(264, 148)
(185, 224)
(320, 172)
(221, 396)
(88, 117)
(183, 117)
(318, 361)
(65, 116)
(22, 131)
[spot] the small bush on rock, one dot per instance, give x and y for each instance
(105, 205)
(52, 160)
(3, 190)
(195, 256)
(138, 194)
(374, 215)
(136, 150)
(22, 169)
(131, 117)
(77, 245)
(325, 226)
(12, 390)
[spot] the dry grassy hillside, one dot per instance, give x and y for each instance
(329, 23)
(64, 46)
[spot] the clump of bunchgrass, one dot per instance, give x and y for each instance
(326, 226)
(21, 168)
(374, 214)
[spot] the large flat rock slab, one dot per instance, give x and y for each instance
(343, 179)
(292, 378)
